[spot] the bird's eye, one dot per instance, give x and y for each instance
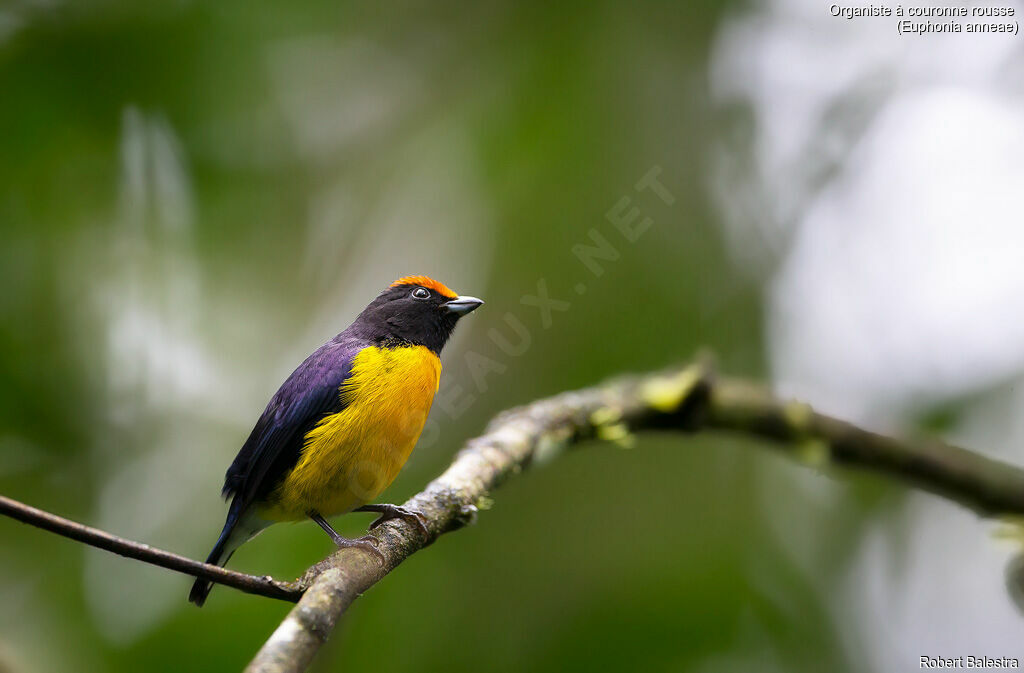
(421, 293)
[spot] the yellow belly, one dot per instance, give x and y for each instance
(351, 456)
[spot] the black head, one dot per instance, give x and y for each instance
(416, 310)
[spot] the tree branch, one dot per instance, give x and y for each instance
(681, 399)
(687, 399)
(987, 486)
(264, 586)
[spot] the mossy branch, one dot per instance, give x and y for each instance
(686, 399)
(683, 399)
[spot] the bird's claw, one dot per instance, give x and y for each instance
(389, 512)
(366, 543)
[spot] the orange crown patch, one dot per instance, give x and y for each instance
(428, 283)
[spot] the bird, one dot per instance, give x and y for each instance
(339, 429)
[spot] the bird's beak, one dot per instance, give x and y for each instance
(463, 305)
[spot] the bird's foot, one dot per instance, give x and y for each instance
(366, 543)
(388, 512)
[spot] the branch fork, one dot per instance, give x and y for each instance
(689, 398)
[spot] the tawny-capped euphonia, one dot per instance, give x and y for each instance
(337, 432)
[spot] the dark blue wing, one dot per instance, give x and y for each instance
(276, 442)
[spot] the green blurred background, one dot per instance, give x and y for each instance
(193, 196)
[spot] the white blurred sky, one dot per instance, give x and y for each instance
(879, 195)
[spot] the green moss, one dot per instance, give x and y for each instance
(666, 393)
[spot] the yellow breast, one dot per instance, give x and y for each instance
(351, 456)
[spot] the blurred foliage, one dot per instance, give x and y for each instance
(189, 196)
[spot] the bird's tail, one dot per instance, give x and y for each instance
(218, 557)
